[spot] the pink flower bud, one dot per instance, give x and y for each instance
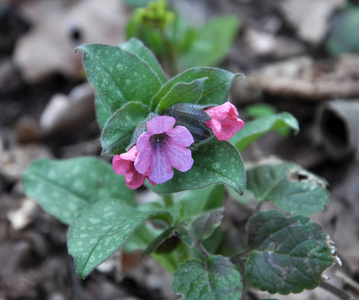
(224, 121)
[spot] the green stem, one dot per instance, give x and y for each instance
(235, 259)
(172, 57)
(242, 264)
(168, 200)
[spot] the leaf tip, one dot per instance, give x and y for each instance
(239, 75)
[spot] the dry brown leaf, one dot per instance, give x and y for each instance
(310, 18)
(60, 26)
(303, 77)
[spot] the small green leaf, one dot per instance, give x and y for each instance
(214, 162)
(288, 186)
(119, 76)
(215, 88)
(212, 42)
(260, 110)
(100, 230)
(182, 93)
(136, 47)
(200, 228)
(289, 254)
(215, 278)
(203, 227)
(102, 115)
(65, 187)
(255, 129)
(118, 131)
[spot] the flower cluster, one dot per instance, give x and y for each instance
(165, 145)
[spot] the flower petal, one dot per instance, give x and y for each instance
(143, 142)
(130, 154)
(143, 161)
(221, 112)
(179, 157)
(181, 136)
(161, 170)
(134, 179)
(216, 127)
(119, 165)
(160, 124)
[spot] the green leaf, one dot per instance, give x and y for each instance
(182, 93)
(260, 110)
(119, 130)
(255, 129)
(201, 228)
(288, 186)
(100, 230)
(196, 202)
(212, 43)
(289, 254)
(102, 115)
(63, 188)
(119, 76)
(136, 47)
(214, 162)
(215, 88)
(215, 278)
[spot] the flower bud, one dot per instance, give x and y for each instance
(192, 117)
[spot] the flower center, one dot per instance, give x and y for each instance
(158, 138)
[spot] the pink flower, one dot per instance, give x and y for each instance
(123, 164)
(224, 121)
(163, 147)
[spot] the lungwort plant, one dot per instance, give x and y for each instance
(182, 139)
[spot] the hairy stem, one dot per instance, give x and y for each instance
(198, 245)
(242, 264)
(236, 259)
(335, 291)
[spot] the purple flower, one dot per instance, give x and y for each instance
(163, 147)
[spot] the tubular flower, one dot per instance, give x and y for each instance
(123, 164)
(163, 147)
(224, 121)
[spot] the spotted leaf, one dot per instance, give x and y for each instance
(289, 254)
(100, 230)
(65, 187)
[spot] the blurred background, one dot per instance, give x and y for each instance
(299, 56)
